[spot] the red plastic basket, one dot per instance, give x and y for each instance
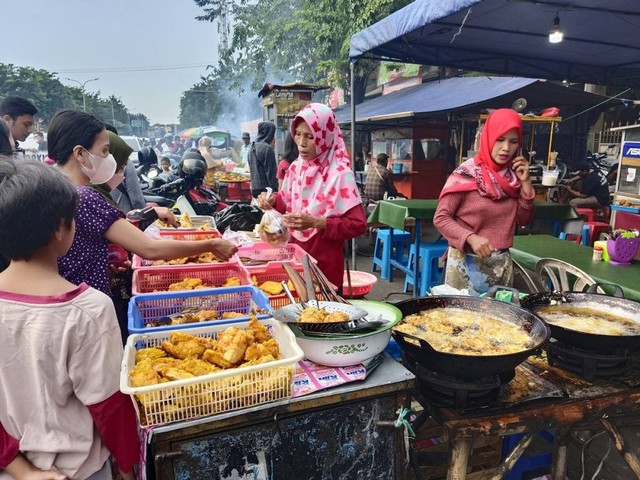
(262, 251)
(361, 284)
(187, 235)
(275, 272)
(158, 279)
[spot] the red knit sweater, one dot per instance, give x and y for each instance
(461, 214)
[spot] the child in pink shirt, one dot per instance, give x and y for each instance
(61, 410)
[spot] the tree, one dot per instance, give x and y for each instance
(303, 39)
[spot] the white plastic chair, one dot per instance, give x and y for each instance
(562, 275)
(522, 280)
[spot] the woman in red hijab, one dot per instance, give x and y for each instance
(481, 204)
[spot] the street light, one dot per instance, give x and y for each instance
(84, 99)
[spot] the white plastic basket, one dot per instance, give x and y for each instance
(215, 393)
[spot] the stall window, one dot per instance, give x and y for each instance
(401, 149)
(430, 149)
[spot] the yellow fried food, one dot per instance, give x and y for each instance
(257, 350)
(206, 315)
(234, 342)
(336, 317)
(143, 374)
(271, 288)
(198, 367)
(151, 353)
(313, 315)
(259, 331)
(232, 282)
(231, 315)
(216, 357)
(182, 345)
(188, 284)
(172, 374)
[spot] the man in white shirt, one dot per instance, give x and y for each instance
(246, 147)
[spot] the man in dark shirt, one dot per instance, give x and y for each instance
(594, 191)
(379, 180)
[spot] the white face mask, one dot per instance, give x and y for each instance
(116, 180)
(102, 168)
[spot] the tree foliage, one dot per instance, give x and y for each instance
(48, 94)
(295, 39)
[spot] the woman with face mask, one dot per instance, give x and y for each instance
(79, 144)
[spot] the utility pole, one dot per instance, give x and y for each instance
(84, 98)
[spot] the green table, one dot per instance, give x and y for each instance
(528, 249)
(556, 211)
(394, 212)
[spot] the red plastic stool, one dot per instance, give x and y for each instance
(589, 214)
(591, 232)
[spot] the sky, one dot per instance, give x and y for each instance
(147, 52)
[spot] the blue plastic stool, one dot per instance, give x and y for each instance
(430, 272)
(383, 251)
(526, 463)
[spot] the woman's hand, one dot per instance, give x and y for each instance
(223, 249)
(481, 246)
(520, 166)
(266, 203)
(166, 216)
(303, 221)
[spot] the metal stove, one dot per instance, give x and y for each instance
(590, 364)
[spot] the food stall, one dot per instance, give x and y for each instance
(281, 103)
(626, 198)
(417, 156)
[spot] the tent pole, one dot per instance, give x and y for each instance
(353, 146)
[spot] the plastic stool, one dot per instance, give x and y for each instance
(526, 463)
(591, 232)
(383, 251)
(574, 237)
(589, 214)
(430, 272)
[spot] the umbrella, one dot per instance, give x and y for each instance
(194, 132)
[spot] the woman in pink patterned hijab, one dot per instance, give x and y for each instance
(319, 195)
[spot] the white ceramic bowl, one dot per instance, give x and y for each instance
(341, 351)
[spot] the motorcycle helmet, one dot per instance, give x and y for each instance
(168, 137)
(193, 164)
(147, 156)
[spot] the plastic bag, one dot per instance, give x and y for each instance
(273, 230)
(239, 239)
(238, 217)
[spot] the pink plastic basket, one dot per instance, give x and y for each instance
(264, 252)
(361, 284)
(158, 279)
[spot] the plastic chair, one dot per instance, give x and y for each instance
(430, 272)
(562, 276)
(591, 231)
(573, 237)
(589, 214)
(522, 280)
(383, 251)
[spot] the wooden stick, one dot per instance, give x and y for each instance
(508, 463)
(627, 454)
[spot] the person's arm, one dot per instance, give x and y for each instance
(350, 224)
(444, 221)
(123, 233)
(22, 469)
(115, 419)
(208, 158)
(132, 184)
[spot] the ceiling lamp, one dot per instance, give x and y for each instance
(555, 34)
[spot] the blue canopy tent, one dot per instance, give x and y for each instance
(601, 38)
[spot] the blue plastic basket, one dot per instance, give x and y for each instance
(149, 307)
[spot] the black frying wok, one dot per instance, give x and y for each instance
(593, 301)
(471, 366)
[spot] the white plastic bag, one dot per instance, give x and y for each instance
(239, 239)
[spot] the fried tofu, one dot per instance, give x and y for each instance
(257, 350)
(234, 342)
(150, 353)
(271, 288)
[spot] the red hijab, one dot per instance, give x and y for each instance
(481, 173)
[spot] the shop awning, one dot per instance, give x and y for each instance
(601, 38)
(468, 94)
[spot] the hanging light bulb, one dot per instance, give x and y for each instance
(555, 34)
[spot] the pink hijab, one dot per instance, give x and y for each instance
(325, 186)
(481, 172)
